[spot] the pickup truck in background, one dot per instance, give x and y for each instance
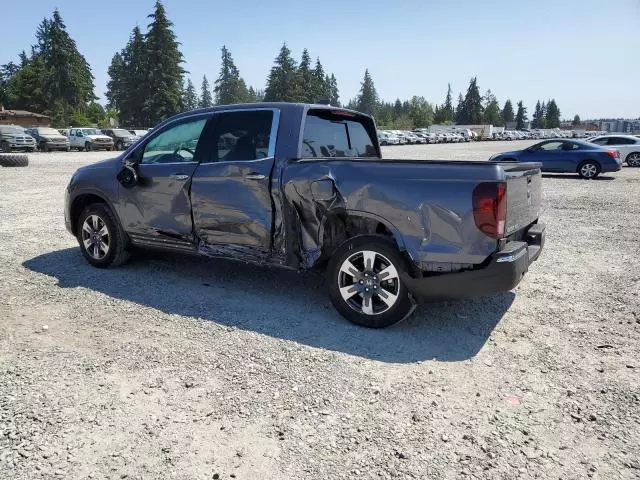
(305, 186)
(88, 139)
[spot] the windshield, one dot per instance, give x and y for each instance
(91, 131)
(47, 131)
(13, 130)
(121, 132)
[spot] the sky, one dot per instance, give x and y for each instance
(583, 53)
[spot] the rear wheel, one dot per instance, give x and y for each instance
(102, 240)
(364, 282)
(633, 159)
(589, 169)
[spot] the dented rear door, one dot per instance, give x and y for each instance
(230, 191)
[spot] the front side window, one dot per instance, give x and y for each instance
(549, 146)
(336, 135)
(241, 135)
(176, 144)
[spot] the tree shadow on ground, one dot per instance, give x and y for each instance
(279, 303)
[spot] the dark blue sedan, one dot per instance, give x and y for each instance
(567, 156)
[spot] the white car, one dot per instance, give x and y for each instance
(627, 145)
(387, 138)
(413, 138)
(89, 139)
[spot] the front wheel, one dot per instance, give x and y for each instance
(102, 240)
(633, 159)
(364, 282)
(589, 170)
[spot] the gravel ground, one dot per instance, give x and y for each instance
(198, 369)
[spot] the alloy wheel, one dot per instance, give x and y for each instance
(369, 282)
(95, 237)
(634, 160)
(589, 170)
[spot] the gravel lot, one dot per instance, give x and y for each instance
(197, 369)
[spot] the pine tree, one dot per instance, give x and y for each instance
(521, 116)
(507, 112)
(472, 105)
(206, 99)
(162, 90)
(447, 108)
(230, 87)
(321, 84)
(459, 114)
(306, 79)
(67, 80)
(126, 89)
(576, 121)
(282, 83)
(189, 97)
(368, 98)
(255, 95)
(334, 94)
(537, 115)
(491, 114)
(552, 115)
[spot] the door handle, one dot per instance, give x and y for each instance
(178, 176)
(254, 176)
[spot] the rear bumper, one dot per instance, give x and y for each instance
(503, 272)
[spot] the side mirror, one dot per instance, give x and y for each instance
(128, 175)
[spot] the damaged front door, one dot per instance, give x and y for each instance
(230, 190)
(155, 206)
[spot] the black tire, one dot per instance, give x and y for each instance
(117, 253)
(87, 147)
(589, 169)
(353, 309)
(633, 159)
(14, 160)
(5, 147)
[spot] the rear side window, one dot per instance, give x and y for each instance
(239, 136)
(330, 135)
(620, 141)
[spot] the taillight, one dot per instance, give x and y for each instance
(490, 208)
(613, 153)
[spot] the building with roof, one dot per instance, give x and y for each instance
(23, 118)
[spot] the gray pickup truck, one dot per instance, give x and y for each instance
(305, 186)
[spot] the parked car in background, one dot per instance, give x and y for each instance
(387, 138)
(139, 132)
(13, 137)
(89, 139)
(567, 156)
(306, 187)
(48, 139)
(627, 145)
(413, 138)
(122, 139)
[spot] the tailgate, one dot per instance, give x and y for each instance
(524, 195)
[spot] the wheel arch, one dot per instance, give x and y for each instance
(81, 201)
(338, 226)
(581, 163)
(635, 152)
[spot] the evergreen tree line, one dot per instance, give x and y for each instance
(471, 109)
(147, 84)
